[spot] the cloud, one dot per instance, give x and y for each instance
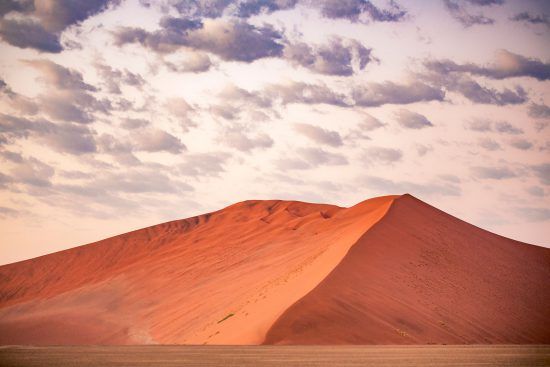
(489, 144)
(308, 158)
(337, 57)
(506, 65)
(480, 125)
(319, 135)
(539, 111)
(156, 140)
(194, 62)
(203, 164)
(370, 123)
(33, 172)
(64, 137)
(459, 11)
(502, 127)
(131, 123)
(231, 40)
(507, 128)
(378, 94)
(299, 92)
(8, 212)
(527, 17)
(237, 138)
(360, 10)
(542, 171)
(352, 10)
(535, 191)
(384, 186)
(28, 34)
(17, 101)
(182, 111)
(520, 143)
(58, 76)
(475, 92)
(383, 155)
(495, 173)
(533, 214)
(115, 78)
(243, 98)
(412, 120)
(46, 20)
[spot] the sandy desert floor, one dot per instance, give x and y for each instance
(312, 356)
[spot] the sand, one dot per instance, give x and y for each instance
(387, 270)
(275, 356)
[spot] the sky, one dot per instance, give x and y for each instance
(121, 114)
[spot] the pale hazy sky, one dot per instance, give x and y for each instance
(116, 115)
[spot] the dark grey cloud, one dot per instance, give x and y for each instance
(249, 8)
(360, 10)
(459, 10)
(71, 139)
(527, 17)
(233, 40)
(299, 92)
(384, 186)
(378, 94)
(539, 110)
(521, 143)
(507, 128)
(383, 155)
(489, 144)
(20, 6)
(475, 92)
(336, 57)
(63, 137)
(480, 125)
(24, 33)
(412, 120)
(45, 21)
(503, 127)
(319, 135)
(506, 65)
(542, 171)
(352, 10)
(495, 173)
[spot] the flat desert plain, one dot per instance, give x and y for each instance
(312, 356)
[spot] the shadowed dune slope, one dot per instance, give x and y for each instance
(218, 278)
(421, 276)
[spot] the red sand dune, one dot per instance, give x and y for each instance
(390, 270)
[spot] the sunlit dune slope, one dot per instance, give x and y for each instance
(421, 276)
(219, 278)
